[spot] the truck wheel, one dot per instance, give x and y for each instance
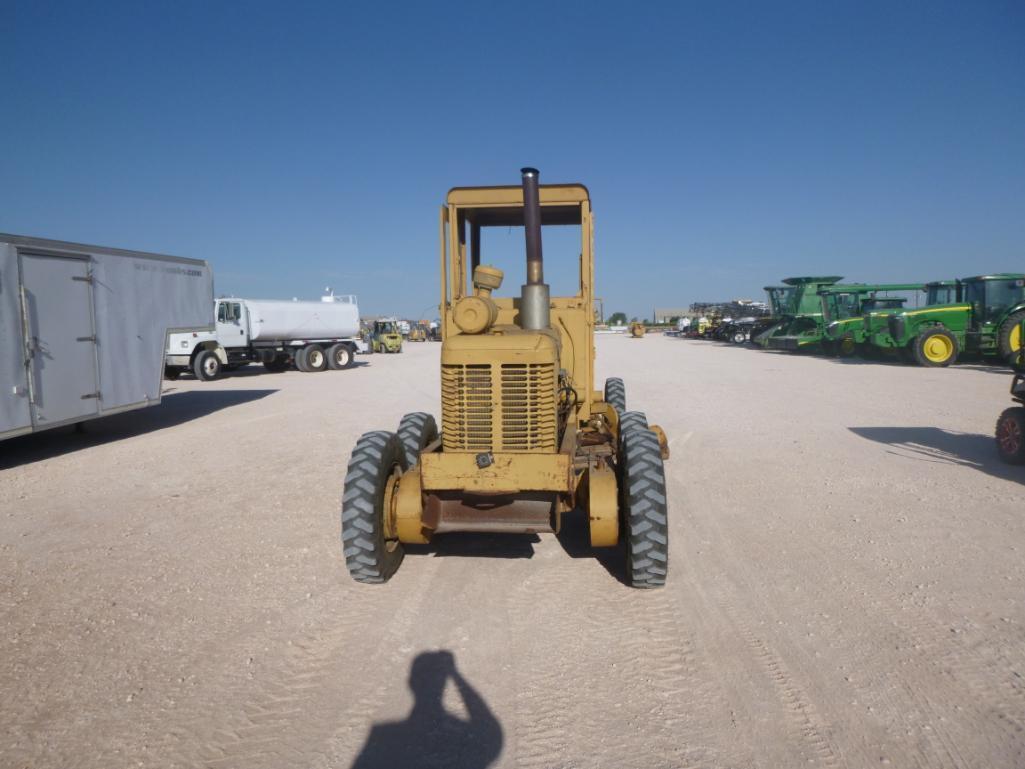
(207, 366)
(615, 394)
(339, 356)
(415, 431)
(314, 358)
(1009, 340)
(644, 509)
(376, 461)
(935, 347)
(299, 359)
(172, 372)
(1010, 435)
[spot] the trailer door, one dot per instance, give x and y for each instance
(60, 338)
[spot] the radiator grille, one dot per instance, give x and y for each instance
(511, 407)
(466, 420)
(528, 407)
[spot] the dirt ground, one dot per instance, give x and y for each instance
(845, 589)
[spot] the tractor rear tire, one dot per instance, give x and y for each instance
(416, 431)
(1009, 339)
(1010, 436)
(370, 558)
(340, 356)
(935, 347)
(615, 394)
(645, 510)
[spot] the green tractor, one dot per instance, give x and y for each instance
(987, 321)
(796, 306)
(844, 309)
(876, 322)
(386, 336)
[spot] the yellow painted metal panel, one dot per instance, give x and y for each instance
(507, 474)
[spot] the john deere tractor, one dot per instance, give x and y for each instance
(525, 438)
(987, 321)
(875, 320)
(844, 309)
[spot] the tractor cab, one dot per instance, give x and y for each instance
(992, 296)
(942, 292)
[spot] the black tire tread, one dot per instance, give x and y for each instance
(415, 431)
(615, 394)
(1017, 413)
(366, 556)
(646, 510)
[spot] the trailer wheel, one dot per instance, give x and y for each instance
(1009, 340)
(172, 372)
(645, 510)
(935, 347)
(207, 366)
(376, 462)
(615, 394)
(739, 337)
(299, 360)
(1010, 436)
(339, 356)
(314, 358)
(415, 431)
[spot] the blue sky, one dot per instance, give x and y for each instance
(726, 145)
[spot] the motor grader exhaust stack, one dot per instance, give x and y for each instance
(525, 437)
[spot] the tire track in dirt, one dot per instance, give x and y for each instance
(288, 714)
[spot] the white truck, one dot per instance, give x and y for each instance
(312, 336)
(83, 329)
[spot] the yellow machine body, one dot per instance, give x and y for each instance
(516, 403)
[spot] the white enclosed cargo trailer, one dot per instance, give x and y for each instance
(313, 336)
(83, 328)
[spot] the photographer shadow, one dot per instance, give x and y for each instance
(431, 736)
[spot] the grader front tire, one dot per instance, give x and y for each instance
(416, 431)
(376, 461)
(645, 509)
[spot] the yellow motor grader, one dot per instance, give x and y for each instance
(525, 436)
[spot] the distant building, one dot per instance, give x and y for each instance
(666, 314)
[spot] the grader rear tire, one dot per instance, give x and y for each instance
(645, 509)
(375, 461)
(615, 394)
(629, 421)
(415, 431)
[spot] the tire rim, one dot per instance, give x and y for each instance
(210, 366)
(938, 348)
(1014, 338)
(342, 357)
(847, 346)
(1009, 437)
(315, 359)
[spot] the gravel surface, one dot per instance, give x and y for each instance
(845, 589)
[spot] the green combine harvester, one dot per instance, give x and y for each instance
(796, 306)
(844, 309)
(986, 321)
